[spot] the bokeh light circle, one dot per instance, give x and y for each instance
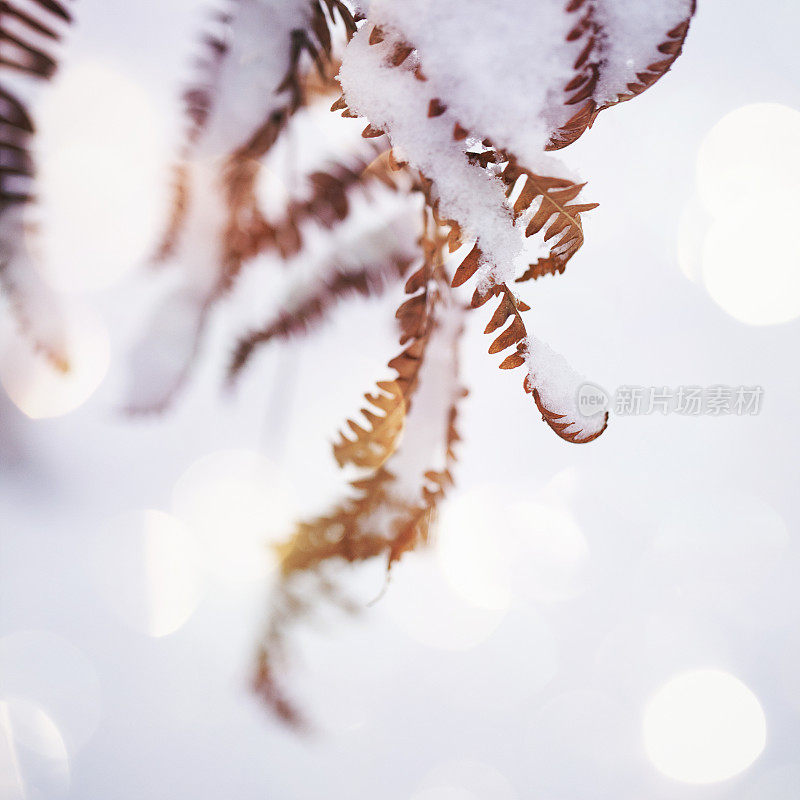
(748, 173)
(751, 261)
(236, 502)
(34, 762)
(102, 154)
(423, 606)
(149, 570)
(465, 779)
(45, 669)
(749, 155)
(42, 392)
(703, 726)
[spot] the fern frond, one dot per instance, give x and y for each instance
(591, 66)
(408, 470)
(553, 214)
(17, 163)
(556, 216)
(544, 266)
(326, 204)
(29, 35)
(372, 445)
(315, 301)
(668, 51)
(310, 42)
(515, 335)
(215, 222)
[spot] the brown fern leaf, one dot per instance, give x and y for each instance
(23, 48)
(515, 335)
(555, 216)
(670, 48)
(350, 533)
(581, 88)
(372, 445)
(589, 66)
(14, 140)
(199, 97)
(328, 203)
(383, 517)
(26, 33)
(266, 686)
(246, 227)
(29, 35)
(315, 303)
(290, 605)
(544, 266)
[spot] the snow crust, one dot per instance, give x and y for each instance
(500, 69)
(558, 386)
(496, 63)
(394, 100)
(635, 29)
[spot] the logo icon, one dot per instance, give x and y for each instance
(592, 400)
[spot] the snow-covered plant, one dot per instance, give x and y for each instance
(463, 104)
(30, 32)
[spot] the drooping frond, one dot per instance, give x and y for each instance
(406, 448)
(554, 391)
(616, 61)
(17, 165)
(30, 32)
(312, 303)
(382, 520)
(251, 82)
(544, 205)
(326, 202)
(253, 86)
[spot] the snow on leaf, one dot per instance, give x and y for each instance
(251, 86)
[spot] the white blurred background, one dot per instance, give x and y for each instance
(616, 620)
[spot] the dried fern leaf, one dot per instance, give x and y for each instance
(311, 304)
(327, 203)
(29, 35)
(569, 425)
(408, 471)
(239, 45)
(271, 43)
(555, 216)
(582, 92)
(550, 210)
